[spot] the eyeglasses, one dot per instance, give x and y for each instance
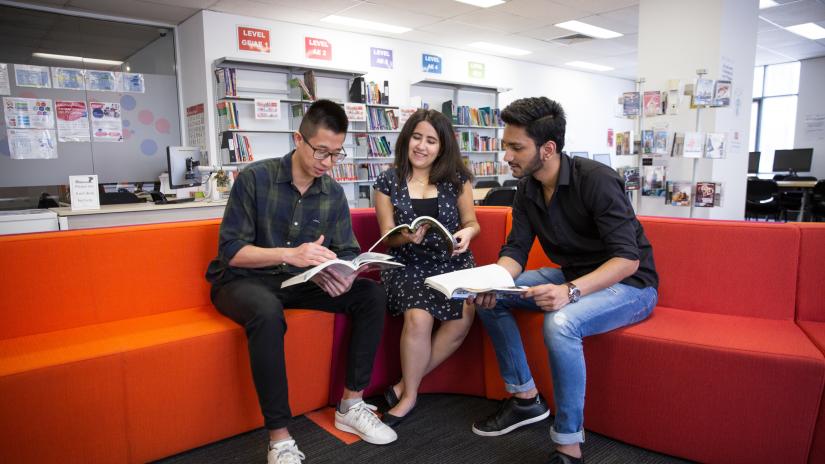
(323, 153)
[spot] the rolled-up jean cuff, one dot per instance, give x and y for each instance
(520, 388)
(566, 438)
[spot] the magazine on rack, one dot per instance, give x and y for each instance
(470, 282)
(435, 226)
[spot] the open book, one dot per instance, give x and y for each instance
(357, 265)
(469, 282)
(416, 224)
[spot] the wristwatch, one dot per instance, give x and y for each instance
(573, 292)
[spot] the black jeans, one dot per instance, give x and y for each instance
(257, 304)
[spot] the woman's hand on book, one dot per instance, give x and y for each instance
(463, 237)
(418, 236)
(309, 254)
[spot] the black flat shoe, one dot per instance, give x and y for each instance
(392, 420)
(561, 458)
(391, 397)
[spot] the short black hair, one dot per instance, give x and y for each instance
(542, 118)
(326, 114)
(448, 165)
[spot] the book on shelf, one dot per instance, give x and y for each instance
(721, 93)
(705, 195)
(309, 81)
(448, 109)
(678, 193)
(653, 181)
(343, 172)
(678, 148)
(225, 78)
(470, 282)
(299, 89)
(624, 143)
(361, 263)
(660, 139)
(358, 90)
(382, 119)
(631, 103)
(715, 145)
(416, 224)
(652, 101)
(239, 147)
(702, 92)
(694, 144)
(227, 115)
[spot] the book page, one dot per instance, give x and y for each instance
(476, 280)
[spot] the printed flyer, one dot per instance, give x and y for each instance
(132, 82)
(104, 81)
(32, 76)
(28, 113)
(5, 87)
(106, 123)
(72, 121)
(32, 144)
(68, 78)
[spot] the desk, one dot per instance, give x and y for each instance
(138, 213)
(805, 186)
(479, 194)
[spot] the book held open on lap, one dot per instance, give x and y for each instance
(357, 265)
(420, 221)
(470, 282)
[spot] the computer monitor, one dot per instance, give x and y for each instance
(793, 161)
(603, 158)
(753, 162)
(183, 165)
(582, 154)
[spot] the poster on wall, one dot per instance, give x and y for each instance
(72, 121)
(132, 83)
(318, 49)
(28, 113)
(475, 70)
(68, 78)
(5, 87)
(32, 76)
(102, 81)
(196, 127)
(430, 63)
(356, 111)
(31, 143)
(84, 192)
(380, 58)
(106, 123)
(253, 39)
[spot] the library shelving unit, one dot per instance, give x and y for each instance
(475, 112)
(243, 139)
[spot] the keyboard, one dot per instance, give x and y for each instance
(179, 200)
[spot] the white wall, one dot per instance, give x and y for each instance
(588, 99)
(811, 102)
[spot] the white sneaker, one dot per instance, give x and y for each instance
(285, 452)
(362, 421)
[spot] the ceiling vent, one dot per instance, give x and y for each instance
(571, 39)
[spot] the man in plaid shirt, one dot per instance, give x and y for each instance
(285, 215)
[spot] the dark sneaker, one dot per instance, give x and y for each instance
(561, 458)
(510, 416)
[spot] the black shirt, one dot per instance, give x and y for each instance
(589, 220)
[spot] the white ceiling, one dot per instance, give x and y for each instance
(526, 24)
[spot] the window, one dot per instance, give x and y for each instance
(773, 113)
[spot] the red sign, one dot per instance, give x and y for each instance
(253, 39)
(318, 49)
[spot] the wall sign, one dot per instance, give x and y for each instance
(84, 193)
(475, 70)
(430, 63)
(253, 39)
(318, 49)
(380, 58)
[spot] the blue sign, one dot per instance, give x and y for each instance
(380, 58)
(430, 63)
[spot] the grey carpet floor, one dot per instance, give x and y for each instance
(437, 432)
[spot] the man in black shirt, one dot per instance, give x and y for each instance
(585, 224)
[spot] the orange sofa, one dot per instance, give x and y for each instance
(120, 357)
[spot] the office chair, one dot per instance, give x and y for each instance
(818, 201)
(119, 198)
(487, 184)
(510, 183)
(791, 200)
(499, 196)
(762, 199)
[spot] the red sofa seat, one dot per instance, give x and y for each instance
(707, 377)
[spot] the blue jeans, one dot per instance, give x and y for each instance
(613, 307)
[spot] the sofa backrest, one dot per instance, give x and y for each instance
(810, 297)
(60, 280)
(725, 267)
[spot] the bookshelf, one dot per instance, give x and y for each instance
(475, 112)
(242, 138)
